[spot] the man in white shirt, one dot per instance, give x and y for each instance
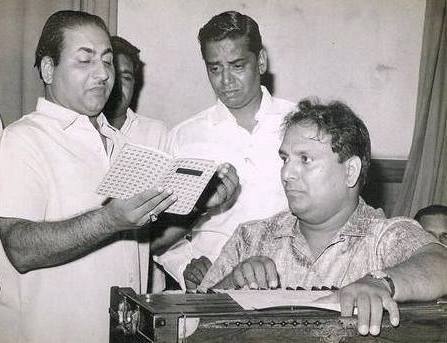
(61, 247)
(242, 128)
(118, 110)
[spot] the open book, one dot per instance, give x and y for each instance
(138, 168)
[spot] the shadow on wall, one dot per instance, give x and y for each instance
(384, 183)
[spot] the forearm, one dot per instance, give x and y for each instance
(161, 243)
(164, 234)
(32, 245)
(423, 276)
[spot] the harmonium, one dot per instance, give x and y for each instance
(217, 318)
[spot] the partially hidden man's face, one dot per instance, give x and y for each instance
(234, 71)
(315, 182)
(124, 81)
(84, 76)
(436, 225)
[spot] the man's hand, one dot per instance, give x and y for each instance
(370, 296)
(136, 211)
(195, 272)
(257, 272)
(226, 189)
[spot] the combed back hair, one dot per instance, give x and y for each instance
(231, 25)
(349, 135)
(431, 210)
(124, 47)
(52, 38)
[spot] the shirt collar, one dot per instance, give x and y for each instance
(358, 223)
(131, 117)
(62, 115)
(286, 225)
(223, 113)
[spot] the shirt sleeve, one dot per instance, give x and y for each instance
(399, 240)
(229, 258)
(22, 179)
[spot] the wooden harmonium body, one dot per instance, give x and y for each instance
(217, 318)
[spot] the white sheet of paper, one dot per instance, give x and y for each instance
(260, 299)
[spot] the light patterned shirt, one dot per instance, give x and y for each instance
(368, 241)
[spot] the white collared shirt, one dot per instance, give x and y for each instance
(215, 134)
(52, 160)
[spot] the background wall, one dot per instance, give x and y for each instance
(365, 52)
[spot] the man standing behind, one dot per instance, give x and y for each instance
(242, 128)
(137, 129)
(61, 241)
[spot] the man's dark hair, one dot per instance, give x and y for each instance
(349, 135)
(52, 38)
(231, 25)
(124, 47)
(431, 210)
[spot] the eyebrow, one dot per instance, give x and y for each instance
(231, 62)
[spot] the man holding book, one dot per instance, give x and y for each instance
(330, 236)
(61, 242)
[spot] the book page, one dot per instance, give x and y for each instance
(261, 299)
(187, 177)
(136, 169)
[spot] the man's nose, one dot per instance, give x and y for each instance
(290, 171)
(102, 71)
(227, 76)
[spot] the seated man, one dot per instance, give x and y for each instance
(330, 236)
(433, 219)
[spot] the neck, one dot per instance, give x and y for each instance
(118, 120)
(318, 235)
(245, 116)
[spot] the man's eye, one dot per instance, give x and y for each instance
(238, 66)
(305, 159)
(214, 69)
(84, 61)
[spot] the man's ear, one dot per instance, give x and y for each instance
(353, 168)
(262, 61)
(47, 69)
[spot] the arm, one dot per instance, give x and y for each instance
(421, 277)
(31, 245)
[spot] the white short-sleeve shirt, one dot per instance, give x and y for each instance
(215, 134)
(51, 162)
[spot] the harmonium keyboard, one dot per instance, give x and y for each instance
(217, 318)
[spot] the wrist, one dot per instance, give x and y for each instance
(385, 279)
(108, 218)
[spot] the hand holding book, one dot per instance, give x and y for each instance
(138, 168)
